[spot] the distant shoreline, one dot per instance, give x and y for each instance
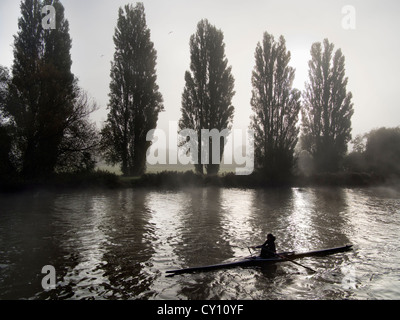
(100, 180)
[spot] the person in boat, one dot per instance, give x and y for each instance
(268, 249)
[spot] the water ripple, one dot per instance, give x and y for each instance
(118, 244)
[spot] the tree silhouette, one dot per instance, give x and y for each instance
(6, 164)
(382, 151)
(43, 93)
(208, 92)
(4, 83)
(276, 108)
(327, 112)
(135, 101)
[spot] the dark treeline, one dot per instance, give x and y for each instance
(376, 152)
(46, 134)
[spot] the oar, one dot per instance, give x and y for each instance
(299, 264)
(250, 251)
(286, 259)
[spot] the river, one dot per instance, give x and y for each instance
(118, 244)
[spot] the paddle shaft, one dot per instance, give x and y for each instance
(250, 251)
(299, 264)
(286, 259)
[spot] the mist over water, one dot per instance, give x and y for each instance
(118, 244)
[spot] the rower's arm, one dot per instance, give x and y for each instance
(262, 245)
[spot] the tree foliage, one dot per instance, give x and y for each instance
(6, 164)
(135, 101)
(43, 100)
(382, 151)
(208, 92)
(327, 112)
(4, 83)
(376, 152)
(78, 149)
(276, 108)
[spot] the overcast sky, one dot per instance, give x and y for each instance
(371, 49)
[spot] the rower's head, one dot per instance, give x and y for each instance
(270, 237)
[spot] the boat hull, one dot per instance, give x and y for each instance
(258, 261)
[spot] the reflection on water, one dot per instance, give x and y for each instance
(118, 244)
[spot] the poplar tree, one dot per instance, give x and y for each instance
(25, 87)
(208, 92)
(44, 99)
(135, 101)
(327, 112)
(276, 107)
(6, 165)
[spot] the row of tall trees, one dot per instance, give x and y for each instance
(44, 114)
(326, 112)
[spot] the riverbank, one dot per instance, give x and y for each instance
(178, 180)
(85, 180)
(168, 179)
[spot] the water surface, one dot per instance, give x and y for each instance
(118, 244)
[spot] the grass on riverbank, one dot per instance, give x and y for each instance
(100, 179)
(168, 179)
(82, 180)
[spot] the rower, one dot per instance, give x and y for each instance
(268, 249)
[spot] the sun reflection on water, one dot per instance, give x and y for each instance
(117, 244)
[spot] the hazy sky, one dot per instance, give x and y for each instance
(371, 49)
